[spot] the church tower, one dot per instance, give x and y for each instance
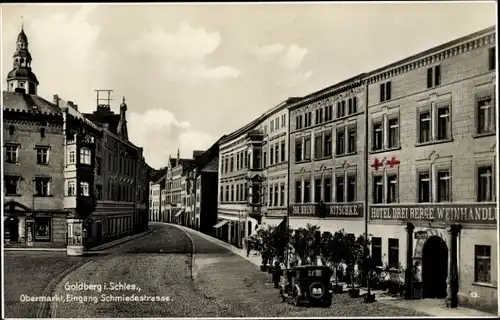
(21, 78)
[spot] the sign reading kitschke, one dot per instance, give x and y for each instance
(482, 213)
(344, 210)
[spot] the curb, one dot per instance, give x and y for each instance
(51, 307)
(44, 308)
(36, 249)
(118, 242)
(193, 266)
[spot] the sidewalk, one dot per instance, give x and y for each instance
(119, 241)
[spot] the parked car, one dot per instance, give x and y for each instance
(307, 284)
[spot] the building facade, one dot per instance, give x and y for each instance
(432, 156)
(158, 196)
(326, 158)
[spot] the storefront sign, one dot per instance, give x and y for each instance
(464, 213)
(353, 210)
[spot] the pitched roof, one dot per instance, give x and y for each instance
(158, 175)
(212, 166)
(13, 101)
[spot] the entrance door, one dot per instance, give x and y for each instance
(434, 268)
(12, 228)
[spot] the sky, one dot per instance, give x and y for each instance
(191, 73)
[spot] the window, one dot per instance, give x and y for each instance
(246, 159)
(11, 130)
(306, 119)
(237, 161)
(282, 195)
(318, 150)
(351, 146)
(276, 153)
(377, 251)
(385, 91)
(317, 190)
(11, 153)
(298, 191)
(237, 192)
(485, 183)
(256, 159)
(42, 187)
(351, 187)
(393, 133)
(85, 156)
(485, 120)
(272, 125)
(327, 151)
(275, 195)
(307, 191)
(340, 141)
(309, 119)
(277, 123)
(378, 189)
(378, 136)
(42, 228)
(393, 253)
(231, 164)
(271, 156)
(270, 196)
(443, 125)
(97, 166)
(392, 188)
(482, 264)
(425, 126)
(241, 160)
(298, 150)
(353, 105)
(444, 185)
(11, 185)
(433, 76)
(340, 109)
(42, 155)
(232, 192)
(328, 190)
(71, 189)
(227, 194)
(424, 187)
(283, 151)
(317, 119)
(492, 58)
(99, 192)
(298, 122)
(307, 148)
(328, 113)
(339, 186)
(264, 159)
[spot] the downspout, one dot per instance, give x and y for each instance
(367, 206)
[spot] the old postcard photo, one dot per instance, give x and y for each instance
(210, 160)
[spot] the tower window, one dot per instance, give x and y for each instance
(11, 129)
(42, 132)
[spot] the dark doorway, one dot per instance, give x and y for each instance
(99, 232)
(434, 268)
(12, 229)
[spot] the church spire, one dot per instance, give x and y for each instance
(21, 78)
(122, 124)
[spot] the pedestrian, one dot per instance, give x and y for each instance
(249, 248)
(276, 274)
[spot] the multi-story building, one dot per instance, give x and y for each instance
(158, 196)
(33, 159)
(206, 182)
(327, 132)
(432, 157)
(177, 188)
(243, 156)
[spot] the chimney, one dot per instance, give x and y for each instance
(56, 100)
(178, 157)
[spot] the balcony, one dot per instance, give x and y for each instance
(255, 212)
(256, 136)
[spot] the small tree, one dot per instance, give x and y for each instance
(354, 251)
(265, 242)
(304, 242)
(333, 247)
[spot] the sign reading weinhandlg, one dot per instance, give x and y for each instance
(483, 213)
(337, 210)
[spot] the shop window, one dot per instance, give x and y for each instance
(42, 229)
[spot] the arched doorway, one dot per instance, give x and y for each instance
(434, 268)
(12, 227)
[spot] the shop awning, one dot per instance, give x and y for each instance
(179, 213)
(220, 224)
